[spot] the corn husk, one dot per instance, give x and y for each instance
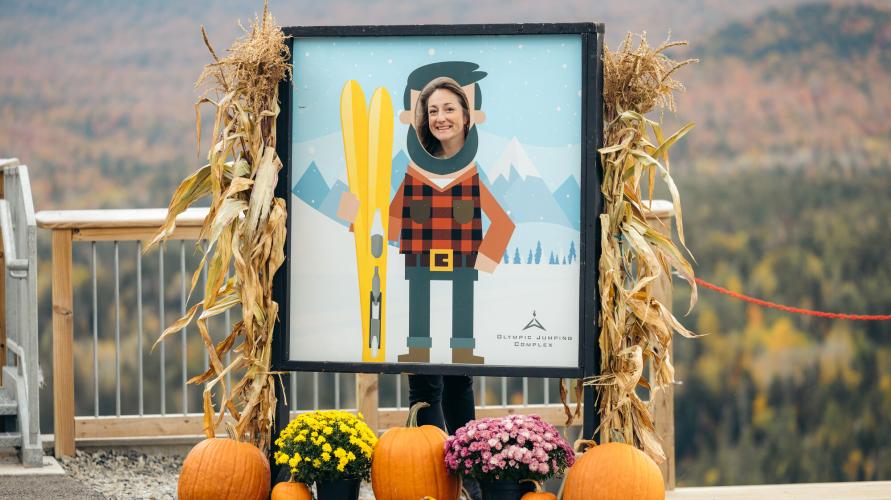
(636, 329)
(244, 229)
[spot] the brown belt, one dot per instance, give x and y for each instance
(443, 260)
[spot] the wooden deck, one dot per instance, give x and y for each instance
(877, 490)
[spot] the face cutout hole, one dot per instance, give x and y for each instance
(442, 117)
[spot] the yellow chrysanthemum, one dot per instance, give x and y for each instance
(329, 441)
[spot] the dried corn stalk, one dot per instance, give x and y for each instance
(245, 227)
(635, 328)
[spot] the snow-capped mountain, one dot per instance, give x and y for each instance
(517, 185)
(529, 200)
(513, 156)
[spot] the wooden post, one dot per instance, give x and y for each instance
(63, 340)
(662, 400)
(367, 398)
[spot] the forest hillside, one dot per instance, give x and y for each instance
(785, 182)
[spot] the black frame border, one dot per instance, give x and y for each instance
(591, 204)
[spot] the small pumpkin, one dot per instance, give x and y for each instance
(424, 448)
(224, 468)
(291, 490)
(613, 471)
(539, 493)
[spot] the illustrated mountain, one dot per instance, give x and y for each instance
(522, 192)
(513, 158)
(568, 197)
(332, 201)
(312, 187)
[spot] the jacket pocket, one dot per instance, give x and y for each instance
(462, 211)
(420, 211)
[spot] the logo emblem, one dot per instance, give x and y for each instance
(534, 323)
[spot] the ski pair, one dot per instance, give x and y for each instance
(368, 147)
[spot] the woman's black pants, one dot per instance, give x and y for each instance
(450, 398)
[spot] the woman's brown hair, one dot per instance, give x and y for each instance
(422, 122)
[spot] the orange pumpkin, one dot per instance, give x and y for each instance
(539, 493)
(291, 490)
(420, 448)
(614, 471)
(224, 468)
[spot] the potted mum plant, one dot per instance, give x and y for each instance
(507, 454)
(329, 448)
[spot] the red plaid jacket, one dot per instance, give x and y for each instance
(425, 217)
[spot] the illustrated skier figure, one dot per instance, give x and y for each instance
(436, 214)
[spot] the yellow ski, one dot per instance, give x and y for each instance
(368, 145)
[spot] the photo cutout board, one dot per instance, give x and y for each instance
(443, 199)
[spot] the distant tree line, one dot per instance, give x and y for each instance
(555, 257)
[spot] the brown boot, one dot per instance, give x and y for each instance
(415, 355)
(466, 357)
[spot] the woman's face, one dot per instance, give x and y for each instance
(445, 116)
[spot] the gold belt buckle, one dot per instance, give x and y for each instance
(441, 260)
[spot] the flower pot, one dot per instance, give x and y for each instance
(338, 489)
(504, 489)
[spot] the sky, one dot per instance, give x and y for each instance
(532, 90)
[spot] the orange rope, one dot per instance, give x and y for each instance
(796, 310)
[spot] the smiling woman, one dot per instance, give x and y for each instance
(442, 117)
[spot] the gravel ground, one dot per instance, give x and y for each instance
(125, 474)
(130, 475)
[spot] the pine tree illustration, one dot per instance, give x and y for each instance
(517, 256)
(572, 255)
(538, 252)
(529, 259)
(506, 258)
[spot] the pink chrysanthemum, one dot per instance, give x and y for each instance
(513, 447)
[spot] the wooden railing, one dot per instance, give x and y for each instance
(72, 226)
(93, 225)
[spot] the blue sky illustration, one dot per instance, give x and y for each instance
(532, 90)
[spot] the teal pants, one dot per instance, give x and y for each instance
(419, 279)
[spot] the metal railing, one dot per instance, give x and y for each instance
(86, 234)
(118, 328)
(20, 367)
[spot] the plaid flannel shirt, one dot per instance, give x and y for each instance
(425, 217)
